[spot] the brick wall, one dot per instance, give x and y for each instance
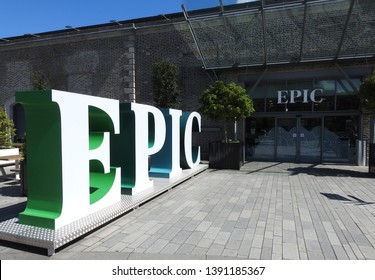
(114, 64)
(174, 44)
(94, 65)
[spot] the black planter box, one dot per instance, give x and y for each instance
(371, 159)
(225, 155)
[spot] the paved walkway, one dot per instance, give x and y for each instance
(264, 211)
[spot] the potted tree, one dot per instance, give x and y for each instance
(165, 84)
(166, 94)
(227, 103)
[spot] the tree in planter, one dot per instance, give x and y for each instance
(165, 84)
(7, 131)
(226, 103)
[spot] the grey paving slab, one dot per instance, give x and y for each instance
(114, 239)
(255, 253)
(137, 241)
(199, 251)
(194, 238)
(157, 246)
(215, 250)
(205, 243)
(185, 249)
(170, 248)
(290, 251)
(222, 238)
(181, 237)
(120, 247)
(233, 244)
(263, 211)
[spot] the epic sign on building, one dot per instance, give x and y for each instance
(295, 95)
(84, 151)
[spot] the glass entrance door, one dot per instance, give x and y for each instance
(310, 139)
(306, 138)
(299, 139)
(286, 139)
(339, 138)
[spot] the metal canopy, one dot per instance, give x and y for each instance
(268, 33)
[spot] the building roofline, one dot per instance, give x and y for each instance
(173, 17)
(158, 18)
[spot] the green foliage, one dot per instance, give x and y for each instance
(23, 149)
(165, 84)
(226, 102)
(367, 93)
(7, 131)
(39, 81)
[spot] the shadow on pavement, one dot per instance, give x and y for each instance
(353, 199)
(329, 171)
(12, 211)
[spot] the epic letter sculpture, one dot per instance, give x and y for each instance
(84, 151)
(69, 174)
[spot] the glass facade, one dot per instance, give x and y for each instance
(304, 121)
(273, 32)
(306, 96)
(339, 138)
(305, 117)
(302, 139)
(260, 138)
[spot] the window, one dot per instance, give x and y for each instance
(306, 96)
(346, 95)
(325, 97)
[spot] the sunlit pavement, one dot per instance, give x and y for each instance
(264, 211)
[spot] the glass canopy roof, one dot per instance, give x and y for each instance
(277, 32)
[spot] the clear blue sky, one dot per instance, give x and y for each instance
(19, 17)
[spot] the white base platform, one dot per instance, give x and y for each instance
(12, 230)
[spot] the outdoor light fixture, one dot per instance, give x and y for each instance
(164, 16)
(115, 21)
(32, 35)
(71, 27)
